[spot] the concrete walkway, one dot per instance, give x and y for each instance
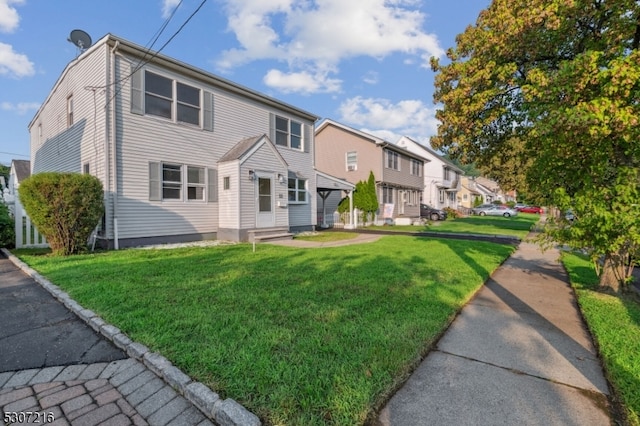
(61, 364)
(518, 353)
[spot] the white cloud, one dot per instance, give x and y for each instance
(407, 117)
(371, 77)
(9, 18)
(21, 108)
(319, 34)
(168, 6)
(14, 64)
(301, 82)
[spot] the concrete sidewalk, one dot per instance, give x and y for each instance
(66, 366)
(518, 353)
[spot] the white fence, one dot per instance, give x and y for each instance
(27, 236)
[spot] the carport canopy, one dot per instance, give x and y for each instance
(326, 184)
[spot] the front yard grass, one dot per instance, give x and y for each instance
(518, 226)
(298, 336)
(615, 325)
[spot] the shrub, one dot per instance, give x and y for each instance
(452, 213)
(7, 227)
(65, 207)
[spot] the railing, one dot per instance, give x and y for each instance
(27, 236)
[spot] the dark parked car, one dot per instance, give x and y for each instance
(432, 213)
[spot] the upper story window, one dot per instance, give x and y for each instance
(416, 167)
(288, 133)
(446, 174)
(393, 161)
(162, 93)
(70, 111)
(352, 161)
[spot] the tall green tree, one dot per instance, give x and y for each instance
(561, 80)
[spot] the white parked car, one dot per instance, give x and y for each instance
(499, 211)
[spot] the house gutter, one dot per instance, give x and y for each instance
(111, 139)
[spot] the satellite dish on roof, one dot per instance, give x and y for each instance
(81, 39)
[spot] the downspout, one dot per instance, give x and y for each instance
(112, 140)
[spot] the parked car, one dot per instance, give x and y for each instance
(478, 209)
(432, 213)
(569, 216)
(518, 206)
(530, 209)
(499, 211)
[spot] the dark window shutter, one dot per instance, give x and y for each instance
(207, 112)
(155, 182)
(272, 127)
(306, 142)
(212, 185)
(137, 94)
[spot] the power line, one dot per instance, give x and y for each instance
(13, 153)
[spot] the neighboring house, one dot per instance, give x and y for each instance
(441, 176)
(497, 194)
(469, 193)
(350, 154)
(183, 155)
(20, 170)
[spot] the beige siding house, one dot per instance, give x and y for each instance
(350, 154)
(183, 154)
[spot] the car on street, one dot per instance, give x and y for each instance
(505, 211)
(432, 213)
(481, 207)
(530, 209)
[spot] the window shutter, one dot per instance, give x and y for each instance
(212, 185)
(155, 182)
(207, 111)
(136, 92)
(272, 127)
(306, 138)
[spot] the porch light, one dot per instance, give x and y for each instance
(252, 175)
(280, 178)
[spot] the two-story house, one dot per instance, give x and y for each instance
(183, 154)
(351, 154)
(441, 176)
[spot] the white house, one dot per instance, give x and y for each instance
(441, 177)
(19, 171)
(183, 154)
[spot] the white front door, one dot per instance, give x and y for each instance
(265, 211)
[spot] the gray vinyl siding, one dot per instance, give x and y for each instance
(229, 200)
(301, 215)
(402, 177)
(262, 161)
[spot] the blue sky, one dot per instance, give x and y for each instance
(364, 63)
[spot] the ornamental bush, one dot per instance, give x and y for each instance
(65, 207)
(7, 227)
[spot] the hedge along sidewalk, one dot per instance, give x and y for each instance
(225, 412)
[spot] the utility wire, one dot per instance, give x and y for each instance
(144, 61)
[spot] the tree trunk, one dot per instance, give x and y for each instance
(614, 271)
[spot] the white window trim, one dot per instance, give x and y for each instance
(298, 191)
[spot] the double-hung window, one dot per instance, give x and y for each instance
(352, 161)
(158, 95)
(171, 181)
(393, 161)
(160, 98)
(416, 167)
(297, 190)
(70, 111)
(387, 195)
(195, 183)
(288, 133)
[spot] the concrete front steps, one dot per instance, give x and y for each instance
(269, 234)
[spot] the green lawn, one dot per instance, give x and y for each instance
(518, 226)
(615, 324)
(304, 337)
